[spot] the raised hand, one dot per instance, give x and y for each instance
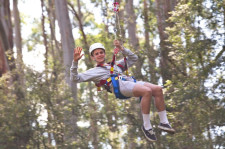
(118, 46)
(116, 50)
(77, 54)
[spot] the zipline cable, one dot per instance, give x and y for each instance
(117, 19)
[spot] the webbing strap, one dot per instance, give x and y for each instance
(116, 87)
(112, 64)
(114, 79)
(124, 68)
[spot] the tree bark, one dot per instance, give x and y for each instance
(6, 38)
(150, 52)
(163, 9)
(79, 16)
(134, 43)
(66, 35)
(18, 44)
(224, 23)
(131, 26)
(54, 44)
(44, 35)
(67, 46)
(133, 39)
(4, 67)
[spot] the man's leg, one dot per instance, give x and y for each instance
(146, 93)
(160, 105)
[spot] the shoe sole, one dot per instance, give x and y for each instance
(166, 129)
(148, 137)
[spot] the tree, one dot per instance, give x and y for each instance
(163, 9)
(6, 38)
(67, 46)
(133, 39)
(190, 45)
(148, 45)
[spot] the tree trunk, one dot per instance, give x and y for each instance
(121, 21)
(224, 23)
(150, 52)
(133, 40)
(18, 43)
(54, 44)
(79, 16)
(93, 118)
(104, 8)
(4, 67)
(6, 38)
(209, 137)
(66, 35)
(67, 46)
(163, 9)
(44, 36)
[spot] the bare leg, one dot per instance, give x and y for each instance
(146, 93)
(158, 94)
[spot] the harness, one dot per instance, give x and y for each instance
(114, 79)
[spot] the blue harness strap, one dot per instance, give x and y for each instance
(114, 79)
(116, 87)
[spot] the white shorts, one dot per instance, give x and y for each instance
(126, 87)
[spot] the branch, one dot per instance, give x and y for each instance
(83, 34)
(213, 63)
(177, 68)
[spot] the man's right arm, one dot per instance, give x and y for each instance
(73, 72)
(74, 76)
(89, 75)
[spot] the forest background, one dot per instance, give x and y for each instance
(180, 45)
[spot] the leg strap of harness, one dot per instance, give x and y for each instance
(115, 83)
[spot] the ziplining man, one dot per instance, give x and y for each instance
(128, 86)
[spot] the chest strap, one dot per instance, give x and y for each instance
(106, 83)
(124, 68)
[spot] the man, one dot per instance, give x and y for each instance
(128, 87)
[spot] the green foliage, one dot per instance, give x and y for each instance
(25, 122)
(189, 94)
(16, 117)
(194, 96)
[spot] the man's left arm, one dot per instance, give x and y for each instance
(131, 57)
